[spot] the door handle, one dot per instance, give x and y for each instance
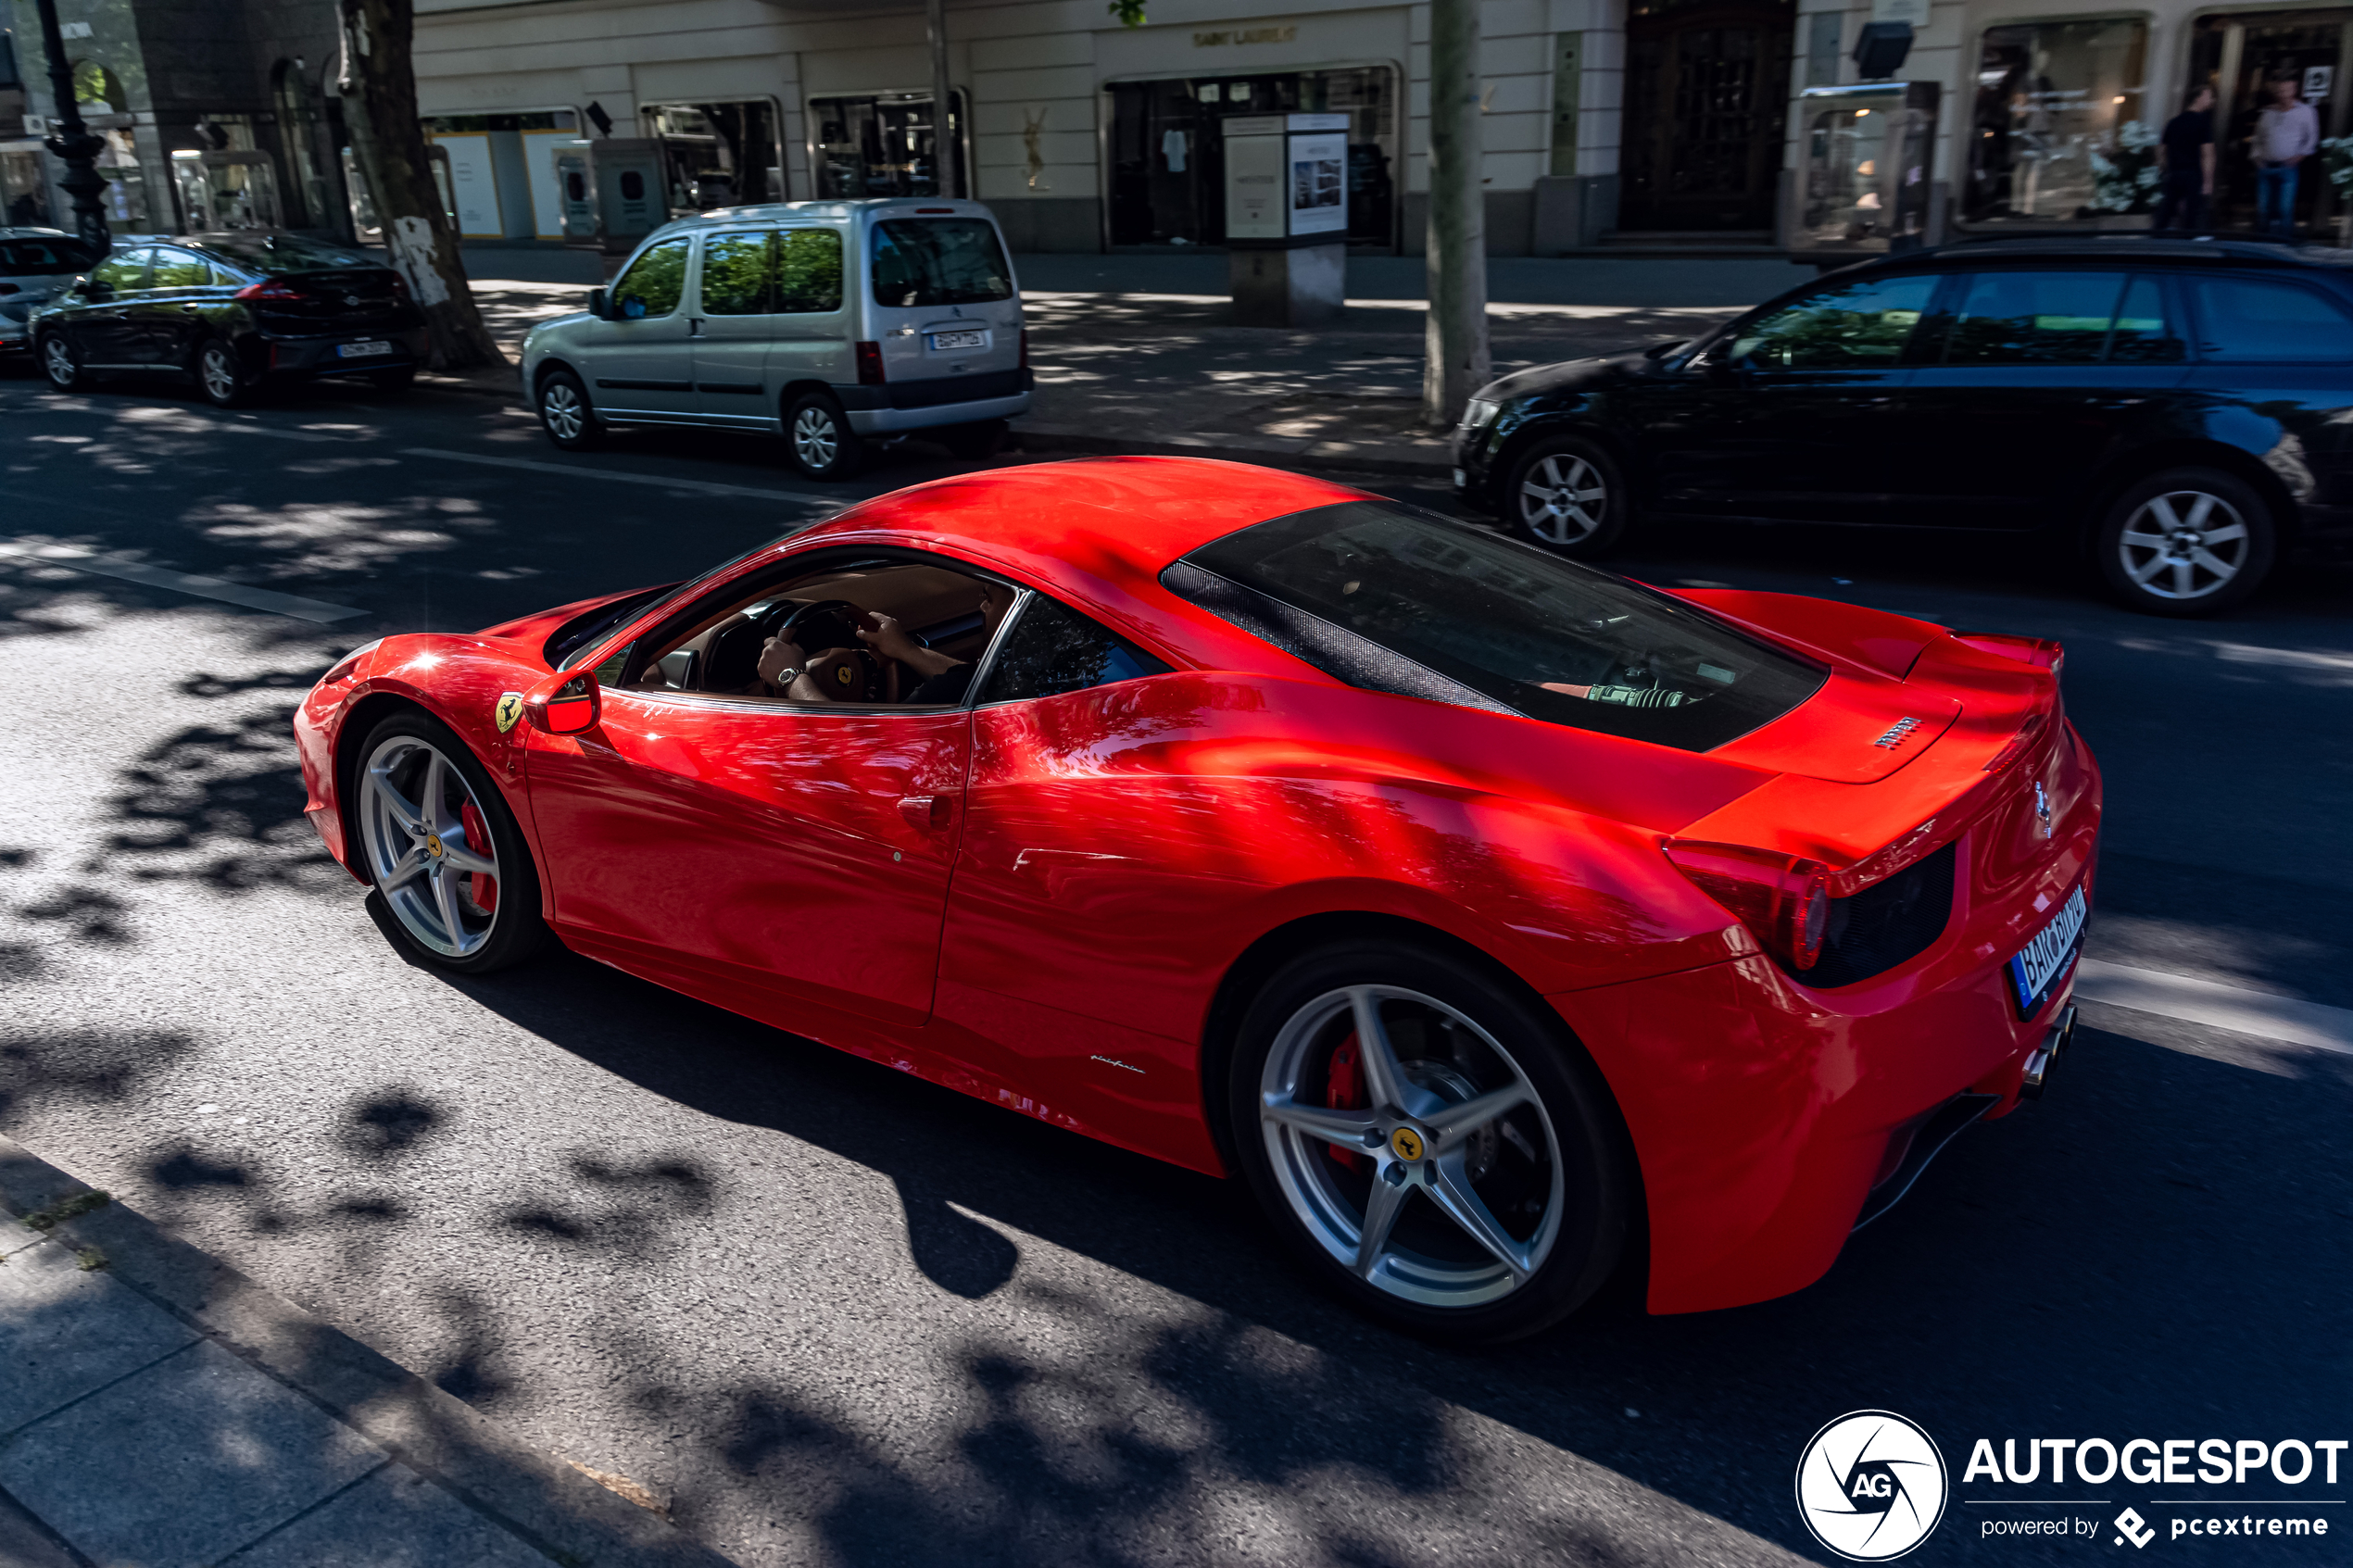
(694, 326)
(192, 309)
(926, 810)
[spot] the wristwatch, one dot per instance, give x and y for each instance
(785, 677)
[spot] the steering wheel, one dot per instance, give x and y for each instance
(827, 625)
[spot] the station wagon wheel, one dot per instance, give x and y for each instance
(60, 364)
(818, 436)
(435, 839)
(1430, 1142)
(2186, 542)
(564, 412)
(1564, 493)
(221, 377)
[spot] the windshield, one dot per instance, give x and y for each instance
(287, 253)
(1533, 632)
(44, 258)
(923, 262)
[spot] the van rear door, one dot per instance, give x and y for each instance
(943, 307)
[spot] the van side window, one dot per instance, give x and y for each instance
(654, 283)
(808, 271)
(734, 274)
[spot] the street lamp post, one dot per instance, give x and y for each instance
(71, 140)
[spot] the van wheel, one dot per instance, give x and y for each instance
(565, 415)
(2186, 542)
(818, 436)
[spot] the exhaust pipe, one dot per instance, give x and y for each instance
(2045, 1056)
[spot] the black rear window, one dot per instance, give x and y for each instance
(926, 261)
(45, 258)
(1358, 587)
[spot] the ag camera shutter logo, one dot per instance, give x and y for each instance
(1871, 1485)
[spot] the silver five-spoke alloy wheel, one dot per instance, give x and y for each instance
(1562, 498)
(2183, 544)
(413, 822)
(57, 359)
(219, 370)
(560, 407)
(816, 439)
(1443, 1183)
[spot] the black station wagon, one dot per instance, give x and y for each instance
(2181, 412)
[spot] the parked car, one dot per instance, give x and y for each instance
(1499, 921)
(832, 323)
(2179, 411)
(34, 265)
(235, 313)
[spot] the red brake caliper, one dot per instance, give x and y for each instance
(1344, 1090)
(484, 890)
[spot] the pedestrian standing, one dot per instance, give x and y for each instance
(2186, 153)
(2287, 132)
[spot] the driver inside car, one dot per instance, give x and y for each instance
(788, 672)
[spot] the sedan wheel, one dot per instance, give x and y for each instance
(1565, 494)
(1429, 1144)
(822, 444)
(437, 842)
(58, 362)
(2186, 543)
(221, 378)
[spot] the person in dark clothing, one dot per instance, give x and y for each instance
(2186, 154)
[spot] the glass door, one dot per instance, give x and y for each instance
(882, 144)
(2241, 58)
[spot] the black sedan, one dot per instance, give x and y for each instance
(234, 312)
(2180, 412)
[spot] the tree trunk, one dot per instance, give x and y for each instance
(1458, 363)
(943, 156)
(378, 91)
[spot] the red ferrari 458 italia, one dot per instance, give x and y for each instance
(1502, 921)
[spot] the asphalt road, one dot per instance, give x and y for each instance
(838, 1317)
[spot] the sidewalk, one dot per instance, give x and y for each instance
(1135, 353)
(158, 1409)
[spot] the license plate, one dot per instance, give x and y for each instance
(362, 350)
(942, 342)
(2040, 963)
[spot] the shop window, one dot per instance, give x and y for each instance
(882, 144)
(2058, 132)
(717, 155)
(1168, 160)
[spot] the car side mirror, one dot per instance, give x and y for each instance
(93, 289)
(597, 302)
(565, 703)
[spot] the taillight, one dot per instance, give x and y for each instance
(1784, 899)
(870, 365)
(2019, 743)
(269, 288)
(2044, 653)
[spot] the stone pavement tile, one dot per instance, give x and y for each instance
(65, 1331)
(182, 1464)
(24, 1543)
(394, 1519)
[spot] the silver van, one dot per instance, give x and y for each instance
(831, 324)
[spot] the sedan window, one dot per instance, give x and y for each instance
(1053, 649)
(123, 270)
(1857, 325)
(654, 283)
(178, 270)
(2255, 320)
(2034, 319)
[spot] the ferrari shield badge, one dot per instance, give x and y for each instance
(509, 710)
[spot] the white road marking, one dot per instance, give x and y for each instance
(2224, 1007)
(571, 471)
(75, 558)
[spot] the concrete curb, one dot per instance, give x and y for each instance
(541, 1500)
(1348, 456)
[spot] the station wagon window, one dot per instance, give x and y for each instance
(939, 261)
(2056, 317)
(1053, 649)
(808, 271)
(734, 274)
(2147, 332)
(2255, 319)
(1857, 325)
(654, 283)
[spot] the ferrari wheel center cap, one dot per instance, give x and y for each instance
(1406, 1144)
(432, 847)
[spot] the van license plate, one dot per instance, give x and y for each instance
(2039, 965)
(362, 350)
(943, 342)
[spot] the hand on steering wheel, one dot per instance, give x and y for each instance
(777, 656)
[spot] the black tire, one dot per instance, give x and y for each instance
(221, 375)
(817, 438)
(1561, 1156)
(2157, 550)
(61, 364)
(511, 930)
(1585, 509)
(396, 380)
(970, 442)
(566, 414)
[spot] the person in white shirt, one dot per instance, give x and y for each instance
(2287, 132)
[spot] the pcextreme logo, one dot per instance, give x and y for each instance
(1871, 1485)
